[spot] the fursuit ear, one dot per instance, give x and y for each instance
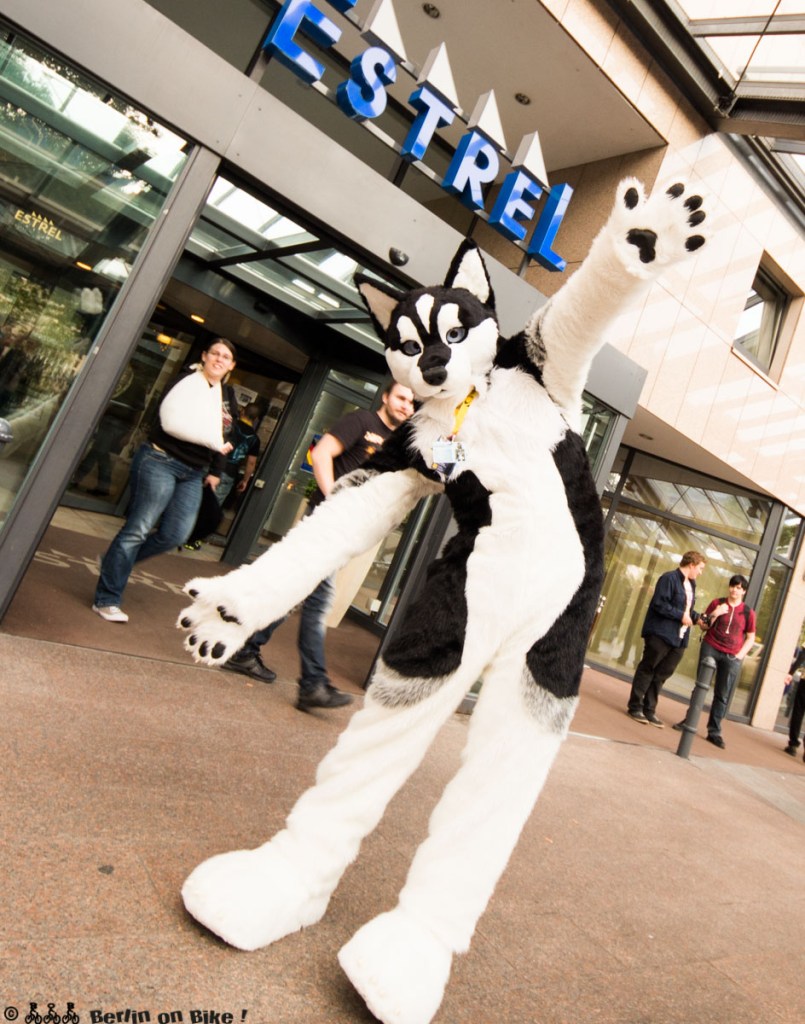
(468, 270)
(380, 299)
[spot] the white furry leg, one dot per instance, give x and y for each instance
(251, 898)
(476, 824)
(400, 962)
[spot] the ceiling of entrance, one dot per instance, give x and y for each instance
(518, 49)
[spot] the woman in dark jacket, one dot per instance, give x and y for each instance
(185, 450)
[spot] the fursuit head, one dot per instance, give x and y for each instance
(510, 601)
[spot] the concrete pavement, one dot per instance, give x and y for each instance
(646, 889)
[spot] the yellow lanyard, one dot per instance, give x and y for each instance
(461, 411)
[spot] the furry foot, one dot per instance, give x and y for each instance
(219, 621)
(399, 968)
(251, 898)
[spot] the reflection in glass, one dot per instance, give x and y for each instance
(697, 498)
(83, 175)
(298, 482)
(767, 610)
(597, 422)
(789, 535)
(759, 327)
(640, 546)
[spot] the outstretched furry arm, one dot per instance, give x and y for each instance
(641, 239)
(226, 610)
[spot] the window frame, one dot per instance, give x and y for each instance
(769, 337)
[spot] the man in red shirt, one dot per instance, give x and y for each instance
(730, 626)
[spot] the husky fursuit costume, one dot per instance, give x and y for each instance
(510, 601)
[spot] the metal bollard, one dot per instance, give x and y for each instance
(707, 670)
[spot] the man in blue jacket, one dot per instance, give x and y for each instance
(666, 632)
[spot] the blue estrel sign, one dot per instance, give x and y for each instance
(476, 161)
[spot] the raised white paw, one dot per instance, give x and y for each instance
(220, 619)
(399, 968)
(251, 898)
(655, 232)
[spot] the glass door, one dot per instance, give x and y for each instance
(341, 394)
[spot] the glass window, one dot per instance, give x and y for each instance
(771, 599)
(759, 327)
(83, 176)
(701, 500)
(597, 421)
(640, 546)
(786, 545)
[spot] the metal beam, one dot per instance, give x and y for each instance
(779, 25)
(272, 253)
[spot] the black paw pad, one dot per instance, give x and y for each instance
(185, 623)
(192, 639)
(646, 241)
(693, 202)
(694, 242)
(203, 649)
(226, 617)
(696, 218)
(218, 650)
(193, 593)
(675, 191)
(631, 197)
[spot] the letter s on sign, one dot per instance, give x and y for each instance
(363, 95)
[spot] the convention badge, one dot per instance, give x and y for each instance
(445, 451)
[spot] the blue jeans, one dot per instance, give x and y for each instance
(164, 491)
(727, 669)
(224, 487)
(310, 641)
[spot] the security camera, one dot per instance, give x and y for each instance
(398, 257)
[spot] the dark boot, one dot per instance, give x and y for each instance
(322, 695)
(250, 665)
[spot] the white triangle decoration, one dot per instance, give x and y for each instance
(529, 157)
(381, 29)
(439, 76)
(486, 118)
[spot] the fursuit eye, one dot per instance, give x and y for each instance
(456, 334)
(411, 348)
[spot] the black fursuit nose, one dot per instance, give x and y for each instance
(434, 375)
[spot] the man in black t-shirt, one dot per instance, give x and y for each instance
(345, 447)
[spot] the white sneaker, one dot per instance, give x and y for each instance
(111, 613)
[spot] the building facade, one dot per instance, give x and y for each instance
(172, 171)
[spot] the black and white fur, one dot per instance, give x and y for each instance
(510, 601)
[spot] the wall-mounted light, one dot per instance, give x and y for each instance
(197, 318)
(82, 266)
(431, 10)
(523, 99)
